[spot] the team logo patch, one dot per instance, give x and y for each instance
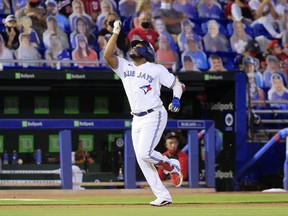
(146, 88)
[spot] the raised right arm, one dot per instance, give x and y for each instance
(110, 46)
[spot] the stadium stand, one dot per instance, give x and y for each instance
(229, 58)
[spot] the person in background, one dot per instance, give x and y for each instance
(106, 8)
(172, 142)
(215, 40)
(188, 64)
(5, 53)
(249, 68)
(92, 8)
(185, 7)
(52, 28)
(170, 16)
(26, 27)
(283, 21)
(11, 33)
(105, 33)
(65, 7)
(166, 55)
(5, 7)
(278, 92)
(160, 27)
(265, 14)
(240, 38)
(17, 4)
(209, 9)
(52, 10)
(187, 31)
(127, 7)
(141, 5)
(145, 31)
(82, 156)
(27, 52)
(238, 10)
(274, 48)
(82, 28)
(273, 68)
(56, 51)
(253, 49)
(255, 79)
(216, 64)
(37, 14)
(280, 7)
(200, 58)
(78, 11)
(155, 4)
(113, 3)
(83, 52)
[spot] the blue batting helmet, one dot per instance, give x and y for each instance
(147, 51)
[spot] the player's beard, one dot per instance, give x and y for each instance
(135, 57)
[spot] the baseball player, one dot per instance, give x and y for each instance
(172, 143)
(142, 80)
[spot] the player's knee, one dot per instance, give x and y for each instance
(145, 157)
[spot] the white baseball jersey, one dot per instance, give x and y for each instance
(143, 83)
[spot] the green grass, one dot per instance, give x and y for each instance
(150, 211)
(215, 198)
(215, 204)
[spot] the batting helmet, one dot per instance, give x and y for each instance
(147, 51)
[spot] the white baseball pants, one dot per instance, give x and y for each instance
(146, 134)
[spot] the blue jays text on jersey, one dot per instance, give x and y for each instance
(131, 73)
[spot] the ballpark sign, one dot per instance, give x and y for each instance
(32, 124)
(83, 123)
(190, 124)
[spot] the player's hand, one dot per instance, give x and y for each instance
(117, 26)
(175, 105)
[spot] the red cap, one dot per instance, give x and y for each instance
(272, 43)
(35, 0)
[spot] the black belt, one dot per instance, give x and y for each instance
(143, 113)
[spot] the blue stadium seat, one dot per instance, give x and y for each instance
(228, 59)
(197, 28)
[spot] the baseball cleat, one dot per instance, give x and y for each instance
(160, 202)
(176, 179)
